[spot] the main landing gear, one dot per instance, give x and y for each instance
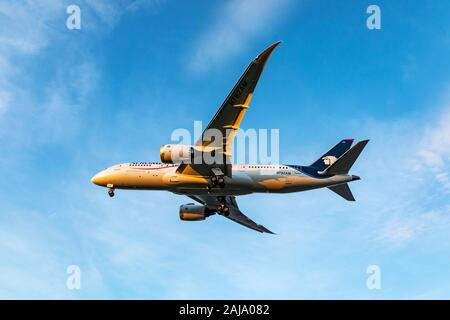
(222, 209)
(217, 179)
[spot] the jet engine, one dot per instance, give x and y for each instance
(176, 153)
(194, 212)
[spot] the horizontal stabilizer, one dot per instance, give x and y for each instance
(344, 191)
(346, 161)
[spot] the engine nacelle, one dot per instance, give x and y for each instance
(194, 212)
(176, 153)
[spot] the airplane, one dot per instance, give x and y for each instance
(204, 171)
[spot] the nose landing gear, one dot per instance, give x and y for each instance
(110, 190)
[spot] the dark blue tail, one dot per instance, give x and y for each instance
(332, 155)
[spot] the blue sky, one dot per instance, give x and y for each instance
(75, 101)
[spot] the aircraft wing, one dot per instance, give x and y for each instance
(228, 119)
(234, 214)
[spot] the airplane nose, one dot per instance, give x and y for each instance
(98, 179)
(94, 179)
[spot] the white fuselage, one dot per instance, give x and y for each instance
(246, 179)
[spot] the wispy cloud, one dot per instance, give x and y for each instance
(234, 25)
(435, 147)
(25, 27)
(398, 190)
(37, 109)
(134, 246)
(399, 230)
(47, 110)
(21, 34)
(4, 101)
(110, 12)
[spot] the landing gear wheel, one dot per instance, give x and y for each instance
(226, 211)
(217, 181)
(111, 193)
(223, 209)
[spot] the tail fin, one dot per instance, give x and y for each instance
(344, 191)
(346, 161)
(332, 155)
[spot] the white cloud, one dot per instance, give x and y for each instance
(110, 12)
(404, 190)
(398, 200)
(321, 237)
(23, 32)
(435, 146)
(402, 229)
(35, 255)
(235, 24)
(45, 110)
(25, 26)
(39, 108)
(144, 4)
(82, 78)
(135, 242)
(4, 101)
